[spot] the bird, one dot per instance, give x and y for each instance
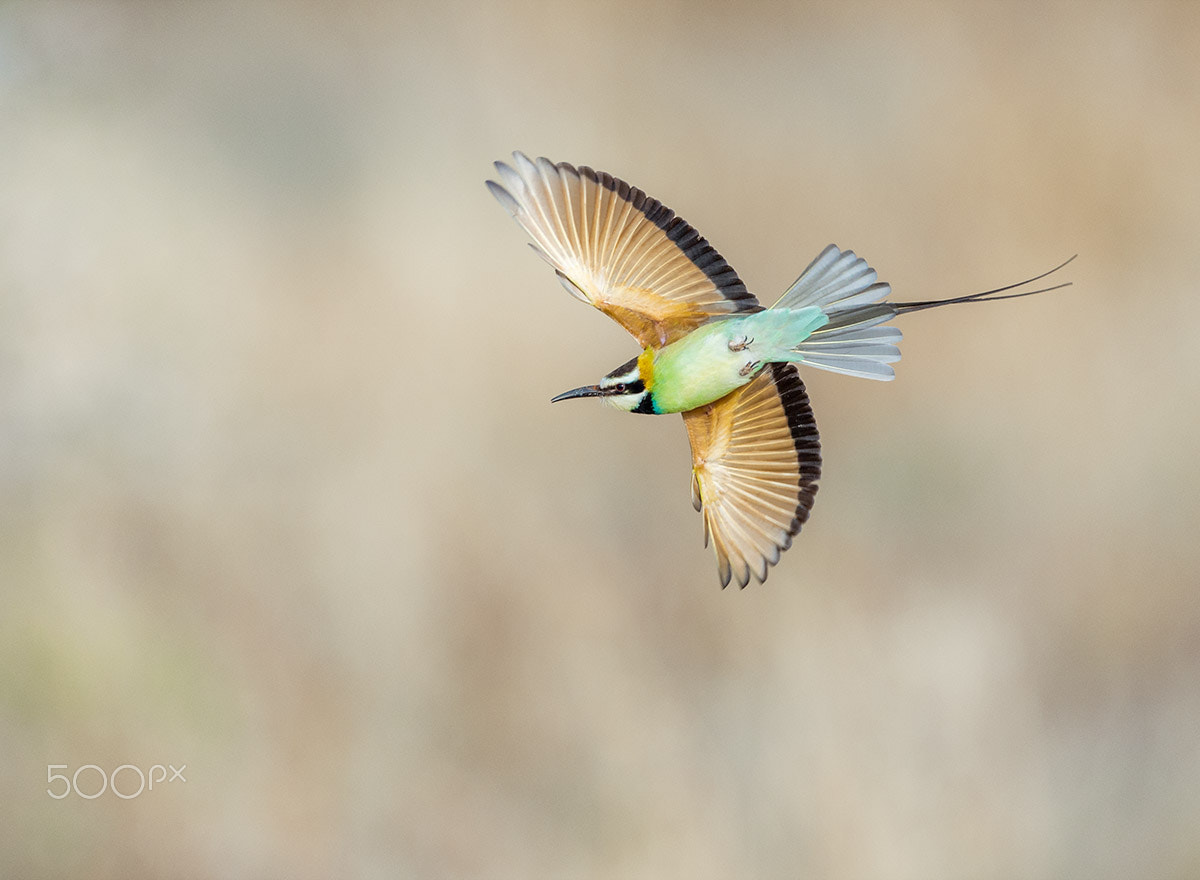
(710, 351)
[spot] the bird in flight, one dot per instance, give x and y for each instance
(710, 350)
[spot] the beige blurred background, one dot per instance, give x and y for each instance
(284, 499)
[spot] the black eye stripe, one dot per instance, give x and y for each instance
(637, 386)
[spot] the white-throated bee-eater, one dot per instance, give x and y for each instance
(710, 350)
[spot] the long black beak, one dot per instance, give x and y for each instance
(585, 391)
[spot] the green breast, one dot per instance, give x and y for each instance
(702, 367)
(699, 368)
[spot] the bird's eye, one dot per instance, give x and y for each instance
(621, 387)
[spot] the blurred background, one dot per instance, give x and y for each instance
(284, 499)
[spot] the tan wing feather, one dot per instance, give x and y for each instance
(756, 459)
(625, 253)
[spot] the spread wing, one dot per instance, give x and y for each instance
(756, 459)
(620, 250)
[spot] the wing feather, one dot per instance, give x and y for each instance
(756, 459)
(628, 254)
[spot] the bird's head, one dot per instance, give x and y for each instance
(629, 387)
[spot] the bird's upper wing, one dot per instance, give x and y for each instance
(756, 459)
(620, 250)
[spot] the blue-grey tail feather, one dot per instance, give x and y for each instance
(835, 281)
(854, 342)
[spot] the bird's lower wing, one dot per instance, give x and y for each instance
(625, 253)
(756, 459)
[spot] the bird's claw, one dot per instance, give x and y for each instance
(740, 343)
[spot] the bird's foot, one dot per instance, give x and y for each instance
(740, 343)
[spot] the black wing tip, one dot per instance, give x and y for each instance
(805, 437)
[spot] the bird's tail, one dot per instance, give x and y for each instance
(855, 340)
